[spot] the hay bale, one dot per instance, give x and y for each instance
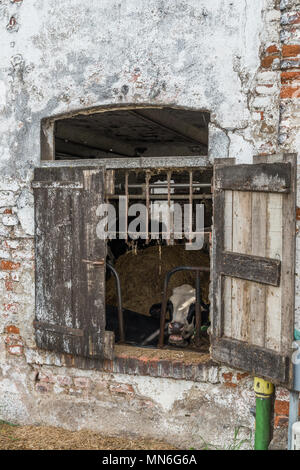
(142, 275)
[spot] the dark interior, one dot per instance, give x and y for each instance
(150, 132)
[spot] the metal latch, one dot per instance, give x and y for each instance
(99, 262)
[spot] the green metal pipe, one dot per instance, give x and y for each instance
(264, 391)
(262, 428)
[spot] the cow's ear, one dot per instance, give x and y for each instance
(170, 309)
(191, 313)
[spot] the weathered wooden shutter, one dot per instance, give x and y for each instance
(70, 262)
(253, 266)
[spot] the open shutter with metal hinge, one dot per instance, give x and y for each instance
(70, 262)
(253, 266)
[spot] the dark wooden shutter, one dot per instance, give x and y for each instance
(253, 266)
(70, 262)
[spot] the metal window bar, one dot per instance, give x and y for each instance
(120, 308)
(166, 194)
(163, 312)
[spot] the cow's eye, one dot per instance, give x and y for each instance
(170, 309)
(191, 313)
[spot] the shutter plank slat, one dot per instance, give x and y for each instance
(258, 291)
(227, 287)
(274, 250)
(241, 242)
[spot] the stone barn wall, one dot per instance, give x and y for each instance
(237, 59)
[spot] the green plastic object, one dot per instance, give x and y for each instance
(297, 335)
(262, 429)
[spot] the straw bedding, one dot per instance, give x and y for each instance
(53, 438)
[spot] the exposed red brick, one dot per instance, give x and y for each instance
(272, 49)
(8, 265)
(240, 376)
(12, 329)
(281, 421)
(268, 61)
(8, 211)
(281, 407)
(12, 307)
(227, 376)
(297, 213)
(290, 77)
(290, 92)
(123, 389)
(8, 285)
(230, 384)
(290, 50)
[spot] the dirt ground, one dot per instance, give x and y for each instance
(14, 437)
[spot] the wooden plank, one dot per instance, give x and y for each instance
(227, 282)
(58, 328)
(218, 246)
(274, 250)
(256, 177)
(241, 243)
(253, 359)
(252, 268)
(179, 127)
(288, 261)
(258, 291)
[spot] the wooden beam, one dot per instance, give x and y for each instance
(275, 178)
(85, 136)
(253, 359)
(47, 140)
(181, 128)
(251, 268)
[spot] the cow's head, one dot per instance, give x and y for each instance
(182, 307)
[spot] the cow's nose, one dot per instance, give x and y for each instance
(176, 327)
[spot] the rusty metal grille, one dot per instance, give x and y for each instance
(168, 186)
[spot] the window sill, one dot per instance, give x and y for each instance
(164, 363)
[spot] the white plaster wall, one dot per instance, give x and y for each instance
(64, 55)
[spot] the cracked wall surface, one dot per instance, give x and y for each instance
(230, 58)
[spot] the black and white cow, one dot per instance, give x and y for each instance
(143, 330)
(140, 330)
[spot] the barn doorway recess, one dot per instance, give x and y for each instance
(155, 157)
